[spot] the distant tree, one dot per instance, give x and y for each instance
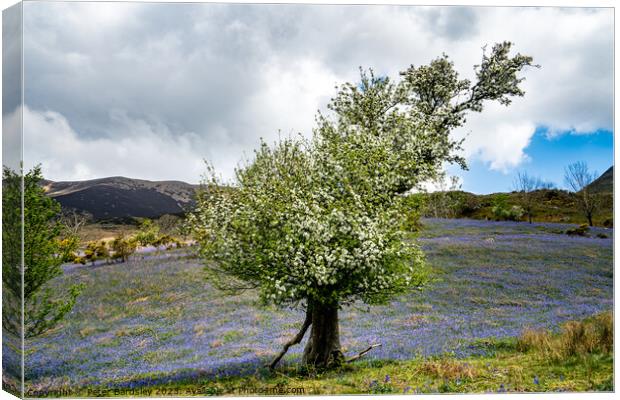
(317, 223)
(445, 201)
(578, 177)
(169, 224)
(73, 221)
(43, 252)
(527, 185)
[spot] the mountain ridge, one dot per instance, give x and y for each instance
(119, 197)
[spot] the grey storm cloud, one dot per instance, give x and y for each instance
(149, 90)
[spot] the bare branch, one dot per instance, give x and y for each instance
(296, 340)
(361, 354)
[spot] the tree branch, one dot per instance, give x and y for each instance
(361, 354)
(293, 341)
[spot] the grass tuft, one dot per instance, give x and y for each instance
(576, 339)
(448, 368)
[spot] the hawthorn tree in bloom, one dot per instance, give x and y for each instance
(317, 223)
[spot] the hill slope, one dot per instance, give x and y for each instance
(119, 197)
(604, 183)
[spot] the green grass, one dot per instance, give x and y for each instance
(507, 370)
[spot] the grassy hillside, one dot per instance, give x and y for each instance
(550, 205)
(604, 183)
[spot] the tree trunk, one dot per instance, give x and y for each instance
(590, 220)
(323, 347)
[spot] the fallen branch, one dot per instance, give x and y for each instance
(361, 354)
(294, 341)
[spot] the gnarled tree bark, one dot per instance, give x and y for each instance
(323, 348)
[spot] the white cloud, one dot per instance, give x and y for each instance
(151, 153)
(230, 74)
(12, 139)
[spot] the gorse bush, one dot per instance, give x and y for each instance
(68, 247)
(576, 338)
(123, 247)
(581, 230)
(96, 251)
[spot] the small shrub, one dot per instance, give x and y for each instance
(96, 251)
(163, 240)
(502, 211)
(581, 230)
(123, 247)
(514, 213)
(68, 247)
(602, 236)
(79, 260)
(148, 235)
(608, 223)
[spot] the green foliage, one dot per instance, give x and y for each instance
(43, 253)
(123, 247)
(97, 250)
(319, 220)
(503, 211)
(68, 246)
(412, 208)
(79, 260)
(11, 251)
(159, 233)
(148, 234)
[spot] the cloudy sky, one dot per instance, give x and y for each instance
(150, 90)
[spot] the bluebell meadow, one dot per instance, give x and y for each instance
(155, 319)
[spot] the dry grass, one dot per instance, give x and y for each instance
(576, 338)
(449, 369)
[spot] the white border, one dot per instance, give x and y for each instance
(528, 3)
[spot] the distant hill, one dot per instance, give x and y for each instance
(122, 198)
(550, 205)
(604, 183)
